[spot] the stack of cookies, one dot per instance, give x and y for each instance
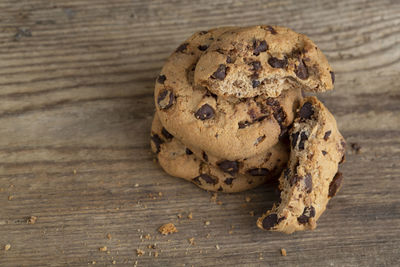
(230, 115)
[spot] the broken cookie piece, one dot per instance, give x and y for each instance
(311, 177)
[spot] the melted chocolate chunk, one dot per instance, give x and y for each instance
(161, 79)
(231, 167)
(335, 184)
(324, 152)
(188, 151)
(278, 63)
(203, 32)
(220, 73)
(205, 157)
(259, 46)
(258, 171)
(157, 142)
(208, 179)
(244, 124)
(229, 181)
(205, 112)
(255, 65)
(166, 134)
(255, 83)
(278, 112)
(303, 138)
(332, 76)
(259, 140)
(295, 136)
(271, 29)
(182, 47)
(308, 183)
(271, 220)
(301, 71)
(165, 99)
(308, 213)
(306, 111)
(202, 47)
(327, 134)
(220, 188)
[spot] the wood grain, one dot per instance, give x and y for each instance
(76, 101)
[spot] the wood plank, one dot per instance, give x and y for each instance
(76, 102)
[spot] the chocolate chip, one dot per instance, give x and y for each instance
(161, 79)
(231, 167)
(278, 63)
(188, 151)
(332, 76)
(165, 99)
(255, 65)
(243, 124)
(303, 138)
(335, 184)
(258, 171)
(229, 60)
(308, 183)
(324, 152)
(182, 47)
(202, 47)
(229, 181)
(295, 136)
(255, 83)
(259, 47)
(205, 157)
(272, 30)
(306, 111)
(301, 71)
(220, 189)
(327, 134)
(259, 140)
(166, 134)
(205, 112)
(157, 142)
(203, 32)
(220, 73)
(208, 179)
(271, 220)
(308, 213)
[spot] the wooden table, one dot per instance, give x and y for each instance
(76, 102)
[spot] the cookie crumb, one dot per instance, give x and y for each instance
(31, 220)
(230, 232)
(109, 236)
(207, 222)
(179, 216)
(136, 185)
(248, 199)
(103, 249)
(355, 147)
(168, 228)
(191, 241)
(74, 171)
(214, 197)
(208, 236)
(7, 247)
(283, 252)
(217, 247)
(219, 202)
(114, 262)
(251, 213)
(148, 236)
(139, 252)
(10, 197)
(190, 216)
(93, 262)
(160, 194)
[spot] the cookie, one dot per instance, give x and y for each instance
(179, 161)
(262, 60)
(200, 118)
(311, 177)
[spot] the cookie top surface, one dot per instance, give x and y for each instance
(311, 177)
(250, 61)
(227, 127)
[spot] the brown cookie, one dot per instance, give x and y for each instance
(311, 177)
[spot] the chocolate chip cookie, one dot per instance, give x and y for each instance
(180, 161)
(311, 177)
(214, 121)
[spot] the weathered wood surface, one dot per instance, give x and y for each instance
(76, 82)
